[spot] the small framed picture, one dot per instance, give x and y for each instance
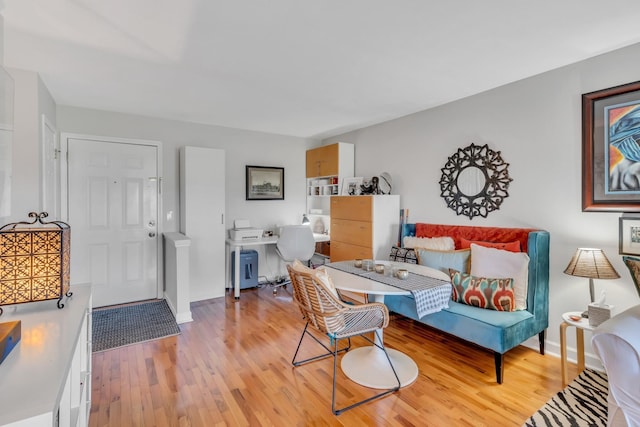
(351, 186)
(629, 240)
(265, 183)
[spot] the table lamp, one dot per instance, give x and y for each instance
(593, 264)
(34, 261)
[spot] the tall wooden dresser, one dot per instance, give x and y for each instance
(363, 226)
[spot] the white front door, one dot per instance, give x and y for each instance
(112, 211)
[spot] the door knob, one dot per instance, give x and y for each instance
(152, 234)
(152, 223)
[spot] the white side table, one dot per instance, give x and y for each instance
(581, 325)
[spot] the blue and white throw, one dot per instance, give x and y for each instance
(430, 294)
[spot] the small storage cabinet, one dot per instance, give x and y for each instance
(327, 166)
(363, 227)
(46, 379)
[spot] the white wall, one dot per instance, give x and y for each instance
(31, 101)
(536, 125)
(241, 148)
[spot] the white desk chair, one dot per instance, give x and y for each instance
(295, 242)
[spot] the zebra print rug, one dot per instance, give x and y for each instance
(582, 403)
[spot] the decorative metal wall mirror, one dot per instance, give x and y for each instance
(475, 181)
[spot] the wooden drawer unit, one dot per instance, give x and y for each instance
(363, 226)
(353, 232)
(352, 207)
(341, 251)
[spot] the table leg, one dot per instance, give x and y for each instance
(368, 366)
(236, 274)
(563, 353)
(580, 348)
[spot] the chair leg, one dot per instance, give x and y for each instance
(320, 356)
(369, 399)
(499, 361)
(541, 340)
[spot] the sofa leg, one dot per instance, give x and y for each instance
(541, 339)
(499, 359)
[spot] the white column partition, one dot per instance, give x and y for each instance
(176, 272)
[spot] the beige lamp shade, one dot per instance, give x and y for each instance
(593, 264)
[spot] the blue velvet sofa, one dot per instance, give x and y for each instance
(493, 330)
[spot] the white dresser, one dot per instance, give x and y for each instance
(46, 379)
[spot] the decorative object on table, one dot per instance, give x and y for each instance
(318, 226)
(264, 183)
(351, 186)
(475, 181)
(593, 264)
(610, 151)
(305, 219)
(34, 261)
(599, 311)
(130, 324)
(402, 274)
(629, 234)
(583, 403)
(10, 333)
(370, 186)
(384, 186)
(633, 264)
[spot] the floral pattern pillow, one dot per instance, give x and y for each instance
(482, 292)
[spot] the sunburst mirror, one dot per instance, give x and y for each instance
(475, 181)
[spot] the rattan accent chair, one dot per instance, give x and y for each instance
(327, 314)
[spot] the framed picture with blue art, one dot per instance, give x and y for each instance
(611, 149)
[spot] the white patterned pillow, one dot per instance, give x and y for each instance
(498, 263)
(437, 243)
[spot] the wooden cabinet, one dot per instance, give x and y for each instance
(327, 166)
(363, 226)
(46, 379)
(323, 161)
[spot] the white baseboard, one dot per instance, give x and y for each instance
(183, 317)
(552, 348)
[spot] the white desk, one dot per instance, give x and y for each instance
(361, 363)
(237, 245)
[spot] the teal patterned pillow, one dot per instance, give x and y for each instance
(633, 264)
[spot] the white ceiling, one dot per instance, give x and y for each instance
(299, 67)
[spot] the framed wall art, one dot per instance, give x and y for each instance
(610, 150)
(265, 183)
(629, 238)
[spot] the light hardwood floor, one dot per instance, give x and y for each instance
(232, 366)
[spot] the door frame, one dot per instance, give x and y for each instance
(48, 124)
(64, 188)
